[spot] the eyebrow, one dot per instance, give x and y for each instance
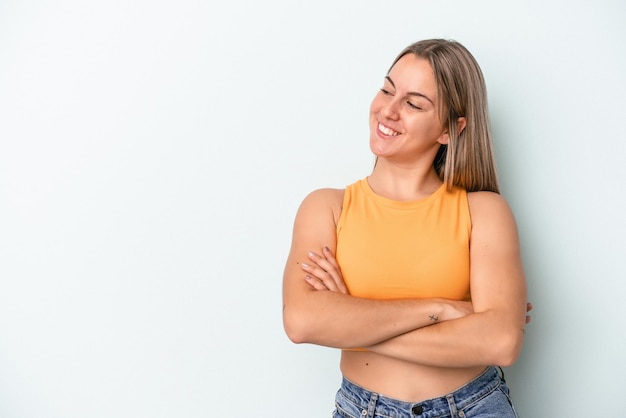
(411, 93)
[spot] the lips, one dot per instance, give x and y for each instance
(387, 130)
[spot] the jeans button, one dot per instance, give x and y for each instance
(418, 409)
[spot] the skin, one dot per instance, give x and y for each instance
(415, 349)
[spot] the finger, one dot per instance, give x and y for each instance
(333, 261)
(321, 275)
(330, 257)
(529, 307)
(330, 266)
(528, 319)
(329, 271)
(321, 261)
(315, 283)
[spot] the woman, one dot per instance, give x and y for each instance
(384, 269)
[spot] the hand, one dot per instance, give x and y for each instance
(459, 309)
(323, 273)
(455, 309)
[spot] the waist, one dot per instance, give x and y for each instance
(485, 383)
(401, 380)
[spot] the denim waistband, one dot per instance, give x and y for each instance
(471, 392)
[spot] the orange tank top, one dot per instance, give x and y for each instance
(392, 250)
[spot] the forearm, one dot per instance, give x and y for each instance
(337, 320)
(475, 340)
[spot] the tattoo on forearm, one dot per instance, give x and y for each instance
(434, 318)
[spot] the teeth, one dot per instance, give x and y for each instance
(386, 130)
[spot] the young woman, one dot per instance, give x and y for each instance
(415, 271)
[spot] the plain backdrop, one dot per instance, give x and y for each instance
(153, 155)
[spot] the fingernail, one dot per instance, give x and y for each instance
(304, 265)
(326, 249)
(311, 254)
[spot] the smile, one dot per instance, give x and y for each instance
(386, 130)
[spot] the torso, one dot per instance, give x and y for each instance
(390, 249)
(385, 375)
(400, 379)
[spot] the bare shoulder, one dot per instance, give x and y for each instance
(325, 195)
(315, 225)
(322, 201)
(491, 216)
(484, 205)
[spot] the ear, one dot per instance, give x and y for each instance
(460, 125)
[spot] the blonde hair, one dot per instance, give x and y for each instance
(467, 160)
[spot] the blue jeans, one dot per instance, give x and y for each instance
(487, 396)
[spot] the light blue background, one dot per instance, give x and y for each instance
(153, 155)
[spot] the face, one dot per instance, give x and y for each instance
(404, 118)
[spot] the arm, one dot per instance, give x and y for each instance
(493, 334)
(334, 318)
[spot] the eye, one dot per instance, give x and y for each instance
(413, 106)
(385, 92)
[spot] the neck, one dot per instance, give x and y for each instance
(402, 183)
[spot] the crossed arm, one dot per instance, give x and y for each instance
(334, 318)
(318, 309)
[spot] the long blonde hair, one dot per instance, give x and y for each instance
(467, 161)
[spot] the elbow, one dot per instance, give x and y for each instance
(294, 334)
(295, 325)
(507, 349)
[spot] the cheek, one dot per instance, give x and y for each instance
(430, 125)
(376, 104)
(373, 113)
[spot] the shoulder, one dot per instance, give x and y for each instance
(491, 211)
(486, 200)
(322, 202)
(324, 197)
(326, 194)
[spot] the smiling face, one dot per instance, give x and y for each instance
(404, 115)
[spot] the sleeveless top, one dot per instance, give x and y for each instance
(391, 250)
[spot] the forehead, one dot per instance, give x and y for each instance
(413, 73)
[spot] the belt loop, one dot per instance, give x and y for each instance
(451, 404)
(502, 374)
(371, 407)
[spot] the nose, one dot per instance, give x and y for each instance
(390, 109)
